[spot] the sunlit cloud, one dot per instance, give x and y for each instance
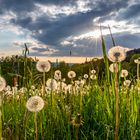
(56, 10)
(35, 47)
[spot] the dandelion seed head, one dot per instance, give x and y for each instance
(116, 54)
(52, 84)
(2, 83)
(35, 104)
(61, 85)
(113, 67)
(71, 74)
(93, 71)
(43, 66)
(124, 73)
(137, 61)
(7, 88)
(86, 76)
(127, 83)
(33, 87)
(57, 75)
(93, 77)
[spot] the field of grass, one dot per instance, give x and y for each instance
(85, 108)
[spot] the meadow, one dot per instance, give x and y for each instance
(48, 107)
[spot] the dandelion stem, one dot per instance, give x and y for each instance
(77, 131)
(43, 83)
(116, 106)
(36, 130)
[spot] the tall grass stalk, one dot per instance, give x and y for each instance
(138, 71)
(113, 41)
(105, 57)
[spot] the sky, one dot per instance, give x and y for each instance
(58, 27)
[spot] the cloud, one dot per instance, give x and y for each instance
(133, 11)
(62, 25)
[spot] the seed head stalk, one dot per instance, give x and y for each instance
(43, 92)
(36, 130)
(116, 105)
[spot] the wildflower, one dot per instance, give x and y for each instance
(43, 66)
(23, 90)
(63, 80)
(137, 61)
(57, 72)
(116, 54)
(127, 83)
(86, 76)
(82, 82)
(8, 93)
(68, 88)
(35, 104)
(57, 75)
(33, 87)
(124, 73)
(93, 77)
(61, 85)
(7, 88)
(52, 84)
(77, 121)
(93, 71)
(2, 83)
(113, 67)
(71, 74)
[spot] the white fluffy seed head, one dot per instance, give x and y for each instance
(35, 104)
(43, 66)
(52, 84)
(127, 83)
(71, 74)
(93, 77)
(93, 71)
(116, 54)
(2, 83)
(137, 61)
(113, 67)
(57, 75)
(124, 73)
(86, 76)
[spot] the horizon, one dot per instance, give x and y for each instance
(66, 59)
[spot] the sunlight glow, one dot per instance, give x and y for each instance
(91, 35)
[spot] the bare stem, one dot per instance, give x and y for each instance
(77, 131)
(117, 106)
(43, 92)
(36, 130)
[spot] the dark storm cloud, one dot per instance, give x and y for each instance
(40, 49)
(17, 6)
(132, 12)
(28, 5)
(128, 40)
(77, 23)
(56, 2)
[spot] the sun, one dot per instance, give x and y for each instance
(94, 34)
